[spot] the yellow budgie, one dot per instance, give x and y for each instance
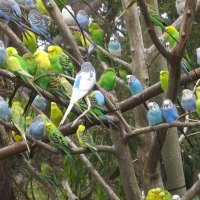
(56, 114)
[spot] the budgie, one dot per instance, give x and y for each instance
(83, 20)
(57, 139)
(16, 137)
(37, 127)
(56, 114)
(41, 8)
(18, 120)
(154, 114)
(108, 79)
(164, 78)
(48, 174)
(38, 24)
(188, 100)
(3, 54)
(5, 111)
(114, 46)
(10, 11)
(169, 111)
(60, 61)
(123, 73)
(185, 61)
(158, 194)
(135, 85)
(180, 6)
(198, 92)
(86, 140)
(97, 35)
(68, 19)
(30, 41)
(176, 197)
(30, 63)
(40, 102)
(198, 55)
(84, 81)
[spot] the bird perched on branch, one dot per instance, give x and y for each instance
(86, 140)
(68, 19)
(154, 114)
(84, 82)
(83, 20)
(108, 79)
(18, 120)
(30, 63)
(188, 100)
(114, 46)
(37, 127)
(3, 54)
(5, 112)
(40, 102)
(38, 24)
(10, 11)
(56, 114)
(180, 6)
(164, 78)
(60, 62)
(158, 194)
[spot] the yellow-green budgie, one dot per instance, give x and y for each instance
(30, 41)
(158, 194)
(86, 140)
(30, 62)
(41, 8)
(56, 114)
(18, 120)
(198, 100)
(164, 78)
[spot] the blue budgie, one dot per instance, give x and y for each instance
(134, 84)
(154, 114)
(10, 11)
(84, 82)
(83, 20)
(5, 111)
(37, 127)
(188, 100)
(99, 98)
(38, 24)
(40, 102)
(169, 111)
(3, 54)
(114, 47)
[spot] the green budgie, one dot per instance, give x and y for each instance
(18, 120)
(86, 141)
(57, 139)
(108, 79)
(30, 63)
(164, 78)
(60, 61)
(97, 35)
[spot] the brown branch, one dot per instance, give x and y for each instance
(64, 30)
(5, 28)
(151, 30)
(193, 191)
(148, 129)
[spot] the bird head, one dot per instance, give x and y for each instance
(28, 56)
(16, 103)
(198, 50)
(11, 51)
(54, 50)
(93, 26)
(112, 39)
(81, 128)
(130, 78)
(39, 53)
(167, 104)
(176, 197)
(153, 106)
(151, 192)
(171, 30)
(82, 12)
(2, 45)
(49, 127)
(53, 106)
(164, 74)
(187, 94)
(1, 99)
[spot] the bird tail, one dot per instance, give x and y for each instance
(71, 104)
(94, 151)
(30, 101)
(182, 131)
(23, 137)
(184, 67)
